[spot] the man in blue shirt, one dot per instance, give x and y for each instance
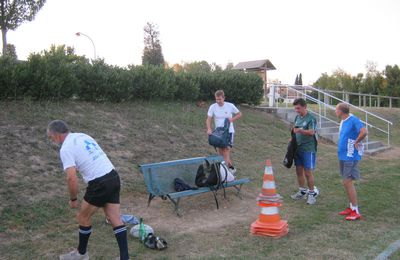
(350, 150)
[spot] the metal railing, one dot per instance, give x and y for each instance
(283, 95)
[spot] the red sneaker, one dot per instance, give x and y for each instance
(345, 212)
(353, 215)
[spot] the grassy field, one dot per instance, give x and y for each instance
(36, 222)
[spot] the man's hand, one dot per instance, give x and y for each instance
(231, 120)
(297, 130)
(209, 131)
(73, 204)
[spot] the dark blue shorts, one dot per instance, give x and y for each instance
(305, 159)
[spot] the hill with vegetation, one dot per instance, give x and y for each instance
(36, 222)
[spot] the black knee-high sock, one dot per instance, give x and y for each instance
(120, 235)
(84, 234)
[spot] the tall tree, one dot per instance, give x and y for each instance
(296, 81)
(14, 12)
(300, 82)
(152, 53)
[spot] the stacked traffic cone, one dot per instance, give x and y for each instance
(269, 222)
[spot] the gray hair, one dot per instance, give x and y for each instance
(345, 108)
(58, 127)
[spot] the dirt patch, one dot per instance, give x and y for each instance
(200, 209)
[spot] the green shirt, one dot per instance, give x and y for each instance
(306, 143)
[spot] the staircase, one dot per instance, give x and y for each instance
(328, 124)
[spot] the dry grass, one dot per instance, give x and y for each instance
(36, 222)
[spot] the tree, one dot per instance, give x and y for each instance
(300, 82)
(14, 12)
(229, 66)
(11, 52)
(197, 66)
(152, 53)
(393, 80)
(296, 81)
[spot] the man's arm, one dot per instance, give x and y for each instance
(208, 124)
(72, 183)
(303, 132)
(236, 117)
(363, 133)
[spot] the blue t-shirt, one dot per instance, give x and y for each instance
(348, 133)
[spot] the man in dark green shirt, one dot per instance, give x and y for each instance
(305, 127)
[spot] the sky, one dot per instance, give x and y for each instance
(298, 36)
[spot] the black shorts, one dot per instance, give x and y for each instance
(104, 189)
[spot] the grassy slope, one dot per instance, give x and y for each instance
(37, 224)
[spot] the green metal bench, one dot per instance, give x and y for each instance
(159, 179)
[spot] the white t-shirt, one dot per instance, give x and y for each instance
(220, 113)
(82, 151)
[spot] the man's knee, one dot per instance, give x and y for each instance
(308, 173)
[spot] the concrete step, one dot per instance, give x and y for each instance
(377, 150)
(328, 124)
(328, 130)
(333, 137)
(373, 145)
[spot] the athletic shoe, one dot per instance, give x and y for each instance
(346, 212)
(74, 255)
(312, 197)
(299, 195)
(353, 215)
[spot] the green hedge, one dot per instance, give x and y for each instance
(59, 74)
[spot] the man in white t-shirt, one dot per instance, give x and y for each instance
(80, 152)
(219, 111)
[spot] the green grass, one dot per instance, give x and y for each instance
(36, 222)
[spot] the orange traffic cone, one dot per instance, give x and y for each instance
(269, 222)
(268, 191)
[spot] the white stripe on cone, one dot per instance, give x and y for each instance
(268, 185)
(268, 170)
(269, 210)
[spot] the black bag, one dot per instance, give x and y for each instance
(208, 175)
(154, 242)
(180, 185)
(291, 151)
(220, 136)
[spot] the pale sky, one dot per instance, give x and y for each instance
(297, 36)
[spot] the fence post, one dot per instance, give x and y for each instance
(370, 100)
(359, 99)
(379, 101)
(390, 102)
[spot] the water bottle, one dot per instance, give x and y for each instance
(360, 149)
(142, 230)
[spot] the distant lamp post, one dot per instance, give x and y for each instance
(94, 47)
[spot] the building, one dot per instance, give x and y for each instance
(258, 66)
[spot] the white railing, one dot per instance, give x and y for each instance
(285, 94)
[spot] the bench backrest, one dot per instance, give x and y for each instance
(159, 177)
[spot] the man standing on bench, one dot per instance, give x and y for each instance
(219, 111)
(80, 152)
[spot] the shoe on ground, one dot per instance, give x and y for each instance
(312, 197)
(346, 212)
(353, 216)
(74, 255)
(299, 195)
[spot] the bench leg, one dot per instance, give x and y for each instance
(176, 203)
(238, 191)
(151, 196)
